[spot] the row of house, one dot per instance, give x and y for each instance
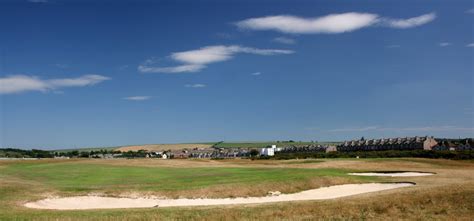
(273, 149)
(399, 143)
(305, 148)
(202, 153)
(455, 144)
(220, 154)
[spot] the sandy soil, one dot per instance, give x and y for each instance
(399, 174)
(97, 202)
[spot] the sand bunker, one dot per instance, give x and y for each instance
(393, 174)
(96, 202)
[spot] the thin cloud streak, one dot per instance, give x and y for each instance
(22, 83)
(333, 23)
(195, 85)
(408, 23)
(196, 60)
(330, 24)
(137, 98)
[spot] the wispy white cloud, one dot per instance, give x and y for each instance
(445, 44)
(137, 98)
(285, 40)
(408, 23)
(471, 45)
(82, 81)
(256, 73)
(330, 24)
(145, 68)
(334, 23)
(402, 129)
(196, 60)
(218, 53)
(195, 85)
(470, 11)
(22, 83)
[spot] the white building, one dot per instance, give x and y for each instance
(268, 151)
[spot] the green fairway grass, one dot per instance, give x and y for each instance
(434, 197)
(79, 177)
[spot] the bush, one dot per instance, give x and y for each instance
(254, 153)
(19, 153)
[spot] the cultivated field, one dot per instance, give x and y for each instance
(447, 195)
(165, 147)
(162, 147)
(265, 144)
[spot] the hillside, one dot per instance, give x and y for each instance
(162, 147)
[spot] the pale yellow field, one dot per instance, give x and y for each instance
(162, 147)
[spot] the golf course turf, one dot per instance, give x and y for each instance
(446, 195)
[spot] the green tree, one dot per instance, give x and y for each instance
(254, 152)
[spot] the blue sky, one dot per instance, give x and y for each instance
(106, 73)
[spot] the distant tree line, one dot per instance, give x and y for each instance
(35, 153)
(217, 144)
(135, 154)
(85, 154)
(19, 153)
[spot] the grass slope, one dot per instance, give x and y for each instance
(85, 149)
(161, 147)
(265, 144)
